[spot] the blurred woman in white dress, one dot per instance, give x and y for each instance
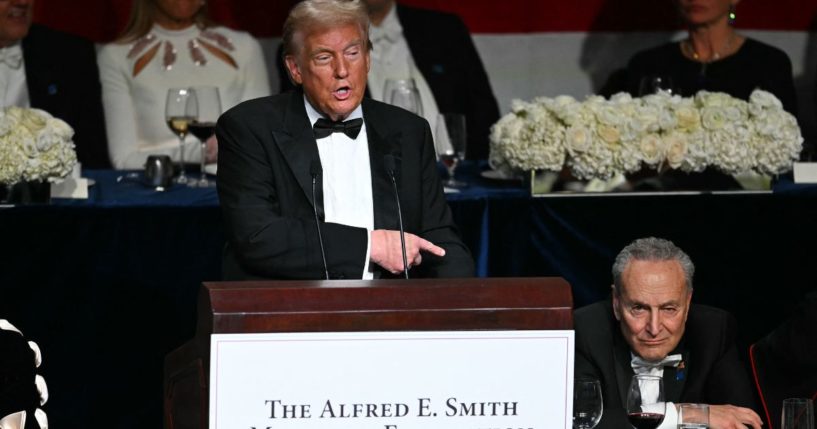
(170, 44)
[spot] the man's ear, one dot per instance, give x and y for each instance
(615, 303)
(294, 70)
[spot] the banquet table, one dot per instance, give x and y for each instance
(107, 286)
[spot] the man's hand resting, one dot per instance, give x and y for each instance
(732, 417)
(387, 253)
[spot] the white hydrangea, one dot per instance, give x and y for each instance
(34, 146)
(599, 138)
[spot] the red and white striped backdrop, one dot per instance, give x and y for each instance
(529, 47)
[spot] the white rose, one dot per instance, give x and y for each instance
(33, 121)
(687, 118)
(676, 150)
(765, 99)
(714, 118)
(609, 134)
(651, 149)
(577, 139)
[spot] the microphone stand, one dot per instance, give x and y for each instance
(390, 164)
(315, 169)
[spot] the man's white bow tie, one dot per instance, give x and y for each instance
(390, 34)
(641, 366)
(12, 56)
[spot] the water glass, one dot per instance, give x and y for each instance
(391, 84)
(407, 98)
(587, 403)
(693, 416)
(798, 413)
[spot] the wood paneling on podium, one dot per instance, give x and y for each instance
(353, 305)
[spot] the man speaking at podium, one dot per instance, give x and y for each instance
(313, 174)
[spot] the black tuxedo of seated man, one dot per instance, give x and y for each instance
(650, 318)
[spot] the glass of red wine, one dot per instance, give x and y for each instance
(449, 142)
(203, 126)
(645, 401)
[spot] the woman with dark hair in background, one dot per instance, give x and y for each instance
(169, 44)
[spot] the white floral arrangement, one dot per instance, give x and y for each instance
(34, 146)
(600, 138)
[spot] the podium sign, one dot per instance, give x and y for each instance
(392, 380)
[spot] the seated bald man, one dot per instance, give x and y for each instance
(652, 328)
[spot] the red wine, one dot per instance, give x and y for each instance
(645, 420)
(202, 130)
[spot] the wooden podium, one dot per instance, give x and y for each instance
(352, 305)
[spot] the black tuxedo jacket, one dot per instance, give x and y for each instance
(443, 50)
(63, 79)
(266, 147)
(446, 56)
(712, 372)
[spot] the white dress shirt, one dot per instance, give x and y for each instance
(13, 77)
(671, 414)
(346, 179)
(391, 59)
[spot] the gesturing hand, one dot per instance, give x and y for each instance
(732, 417)
(386, 250)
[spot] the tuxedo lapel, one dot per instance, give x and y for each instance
(41, 75)
(674, 379)
(297, 144)
(624, 370)
(382, 141)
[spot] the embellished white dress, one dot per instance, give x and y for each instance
(134, 97)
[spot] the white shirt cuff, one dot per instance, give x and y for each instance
(670, 417)
(367, 273)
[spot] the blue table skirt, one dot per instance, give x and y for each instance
(107, 286)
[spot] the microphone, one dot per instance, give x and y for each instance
(390, 163)
(316, 170)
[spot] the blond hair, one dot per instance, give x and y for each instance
(311, 15)
(142, 17)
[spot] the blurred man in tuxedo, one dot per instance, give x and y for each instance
(651, 328)
(55, 72)
(436, 50)
(325, 139)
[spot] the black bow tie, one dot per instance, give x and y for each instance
(324, 128)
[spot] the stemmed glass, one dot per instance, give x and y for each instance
(180, 111)
(403, 93)
(652, 84)
(205, 114)
(587, 403)
(449, 142)
(645, 401)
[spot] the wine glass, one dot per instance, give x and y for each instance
(645, 401)
(180, 111)
(391, 84)
(449, 142)
(652, 84)
(587, 403)
(205, 115)
(693, 416)
(798, 413)
(408, 99)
